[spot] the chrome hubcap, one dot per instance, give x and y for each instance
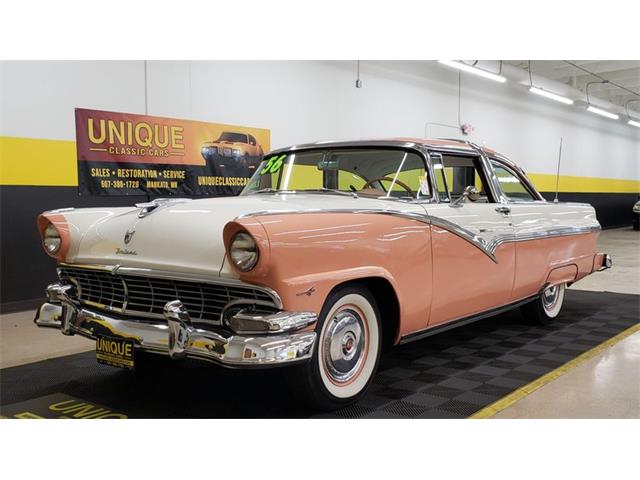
(343, 345)
(550, 297)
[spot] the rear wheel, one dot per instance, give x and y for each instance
(547, 306)
(346, 353)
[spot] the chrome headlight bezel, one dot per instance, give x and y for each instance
(243, 251)
(51, 239)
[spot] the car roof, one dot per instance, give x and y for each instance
(391, 142)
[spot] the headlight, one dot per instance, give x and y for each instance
(51, 240)
(243, 251)
(236, 152)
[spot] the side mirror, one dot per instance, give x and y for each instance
(469, 192)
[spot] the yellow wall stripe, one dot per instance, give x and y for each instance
(546, 182)
(31, 161)
(39, 162)
(517, 395)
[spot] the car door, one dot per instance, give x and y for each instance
(473, 257)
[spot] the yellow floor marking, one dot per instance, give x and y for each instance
(517, 395)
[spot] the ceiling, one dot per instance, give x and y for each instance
(620, 73)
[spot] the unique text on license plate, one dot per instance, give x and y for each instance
(116, 352)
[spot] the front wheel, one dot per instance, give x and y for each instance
(346, 353)
(547, 306)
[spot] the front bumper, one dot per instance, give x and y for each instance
(178, 338)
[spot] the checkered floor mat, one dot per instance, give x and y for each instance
(451, 375)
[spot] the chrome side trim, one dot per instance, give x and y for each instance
(443, 327)
(187, 277)
(487, 247)
(467, 235)
(412, 215)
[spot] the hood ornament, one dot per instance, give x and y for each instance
(129, 235)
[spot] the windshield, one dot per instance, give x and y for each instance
(233, 137)
(369, 172)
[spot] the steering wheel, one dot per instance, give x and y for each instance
(373, 180)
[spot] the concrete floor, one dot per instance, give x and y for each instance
(606, 386)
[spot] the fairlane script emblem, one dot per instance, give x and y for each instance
(128, 236)
(307, 292)
(121, 251)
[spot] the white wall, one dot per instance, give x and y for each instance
(308, 101)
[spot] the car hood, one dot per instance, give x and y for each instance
(185, 235)
(226, 143)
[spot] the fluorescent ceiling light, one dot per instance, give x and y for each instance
(552, 96)
(476, 71)
(604, 113)
(634, 123)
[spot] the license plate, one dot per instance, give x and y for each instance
(116, 352)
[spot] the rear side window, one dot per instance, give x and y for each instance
(511, 184)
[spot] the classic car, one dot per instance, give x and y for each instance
(232, 144)
(332, 251)
(233, 154)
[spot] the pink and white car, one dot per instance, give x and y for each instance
(331, 252)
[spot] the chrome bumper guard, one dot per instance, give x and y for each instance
(179, 338)
(603, 261)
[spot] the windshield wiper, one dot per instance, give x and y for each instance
(330, 190)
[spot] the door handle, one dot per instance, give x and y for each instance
(503, 209)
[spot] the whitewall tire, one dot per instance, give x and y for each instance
(347, 350)
(547, 306)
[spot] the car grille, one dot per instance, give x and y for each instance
(145, 297)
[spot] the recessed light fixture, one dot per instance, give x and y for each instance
(476, 71)
(603, 113)
(552, 96)
(633, 123)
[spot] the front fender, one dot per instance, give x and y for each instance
(311, 253)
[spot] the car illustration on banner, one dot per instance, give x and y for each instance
(233, 150)
(333, 251)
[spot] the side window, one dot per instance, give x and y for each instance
(252, 140)
(459, 172)
(511, 185)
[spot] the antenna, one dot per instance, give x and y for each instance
(555, 200)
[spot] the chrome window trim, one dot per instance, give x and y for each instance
(412, 147)
(520, 175)
(490, 174)
(187, 277)
(435, 180)
(475, 152)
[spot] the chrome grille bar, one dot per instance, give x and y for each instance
(145, 296)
